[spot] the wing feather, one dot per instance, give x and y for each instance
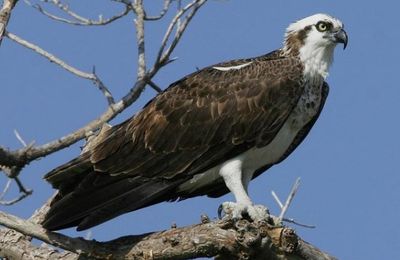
(200, 121)
(219, 188)
(210, 109)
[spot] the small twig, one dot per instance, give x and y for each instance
(52, 58)
(106, 92)
(79, 20)
(182, 27)
(21, 187)
(154, 86)
(23, 191)
(162, 12)
(289, 198)
(49, 56)
(290, 220)
(162, 56)
(12, 173)
(14, 201)
(285, 207)
(278, 201)
(5, 190)
(20, 138)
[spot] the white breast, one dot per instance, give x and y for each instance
(256, 158)
(253, 159)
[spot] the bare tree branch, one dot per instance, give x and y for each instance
(284, 207)
(20, 139)
(15, 245)
(167, 3)
(34, 230)
(154, 86)
(5, 14)
(79, 20)
(21, 157)
(5, 190)
(137, 7)
(52, 58)
(223, 238)
(12, 173)
(163, 56)
(289, 198)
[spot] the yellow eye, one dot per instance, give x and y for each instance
(322, 26)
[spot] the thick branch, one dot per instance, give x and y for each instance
(15, 245)
(5, 14)
(222, 238)
(137, 7)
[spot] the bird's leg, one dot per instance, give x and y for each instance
(246, 178)
(237, 181)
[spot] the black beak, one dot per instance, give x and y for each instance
(341, 37)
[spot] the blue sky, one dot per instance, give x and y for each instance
(348, 164)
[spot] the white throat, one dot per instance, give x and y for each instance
(316, 59)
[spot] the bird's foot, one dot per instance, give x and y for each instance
(238, 211)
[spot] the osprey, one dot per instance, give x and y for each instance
(209, 133)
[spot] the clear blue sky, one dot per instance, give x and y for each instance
(348, 164)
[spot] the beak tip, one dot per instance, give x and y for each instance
(341, 37)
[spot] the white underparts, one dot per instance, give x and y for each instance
(238, 67)
(238, 171)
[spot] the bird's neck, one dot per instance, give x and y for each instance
(316, 58)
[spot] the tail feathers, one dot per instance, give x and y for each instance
(96, 205)
(69, 172)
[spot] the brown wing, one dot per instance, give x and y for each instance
(198, 122)
(202, 120)
(218, 189)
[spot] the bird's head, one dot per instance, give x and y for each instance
(313, 39)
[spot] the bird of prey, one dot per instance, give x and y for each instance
(208, 133)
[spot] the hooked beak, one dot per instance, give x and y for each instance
(341, 37)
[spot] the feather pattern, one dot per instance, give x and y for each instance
(198, 122)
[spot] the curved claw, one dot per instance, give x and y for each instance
(239, 211)
(220, 209)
